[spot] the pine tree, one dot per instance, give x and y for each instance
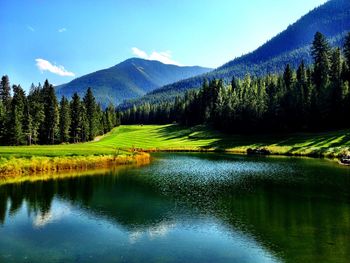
(36, 109)
(320, 53)
(288, 76)
(304, 92)
(337, 96)
(2, 123)
(28, 123)
(234, 83)
(65, 120)
(336, 67)
(90, 107)
(5, 92)
(99, 119)
(76, 122)
(345, 72)
(347, 56)
(51, 119)
(110, 117)
(84, 123)
(16, 130)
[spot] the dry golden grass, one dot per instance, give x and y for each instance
(15, 166)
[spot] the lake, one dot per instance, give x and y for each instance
(183, 208)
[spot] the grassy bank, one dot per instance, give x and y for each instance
(22, 166)
(175, 138)
(114, 147)
(43, 176)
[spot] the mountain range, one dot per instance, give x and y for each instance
(136, 81)
(130, 79)
(290, 46)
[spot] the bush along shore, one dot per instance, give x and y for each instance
(20, 166)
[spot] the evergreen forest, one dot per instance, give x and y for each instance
(39, 118)
(307, 98)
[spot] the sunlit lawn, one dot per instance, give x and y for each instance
(174, 137)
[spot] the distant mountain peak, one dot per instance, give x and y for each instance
(129, 79)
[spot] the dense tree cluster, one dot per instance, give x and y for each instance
(309, 98)
(38, 118)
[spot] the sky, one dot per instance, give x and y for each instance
(62, 40)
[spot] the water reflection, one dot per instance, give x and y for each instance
(184, 207)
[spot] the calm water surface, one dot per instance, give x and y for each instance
(183, 208)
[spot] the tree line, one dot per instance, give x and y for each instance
(311, 97)
(39, 118)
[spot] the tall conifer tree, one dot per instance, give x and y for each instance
(5, 92)
(65, 120)
(76, 122)
(16, 133)
(51, 119)
(90, 108)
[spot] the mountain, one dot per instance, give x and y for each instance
(130, 79)
(290, 46)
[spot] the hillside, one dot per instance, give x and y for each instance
(290, 46)
(129, 79)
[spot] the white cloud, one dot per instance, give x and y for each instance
(60, 212)
(44, 65)
(61, 30)
(164, 56)
(140, 53)
(30, 28)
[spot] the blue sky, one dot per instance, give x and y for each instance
(61, 40)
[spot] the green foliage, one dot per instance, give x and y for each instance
(16, 116)
(347, 57)
(2, 121)
(320, 52)
(5, 92)
(76, 115)
(39, 119)
(36, 110)
(50, 124)
(65, 120)
(90, 107)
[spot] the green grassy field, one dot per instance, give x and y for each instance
(173, 137)
(177, 138)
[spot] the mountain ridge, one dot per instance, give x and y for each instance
(129, 79)
(289, 46)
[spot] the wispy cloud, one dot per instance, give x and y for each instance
(44, 65)
(140, 53)
(60, 212)
(61, 30)
(30, 28)
(163, 56)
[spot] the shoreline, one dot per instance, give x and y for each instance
(15, 167)
(132, 144)
(315, 155)
(18, 169)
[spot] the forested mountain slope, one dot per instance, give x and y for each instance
(290, 46)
